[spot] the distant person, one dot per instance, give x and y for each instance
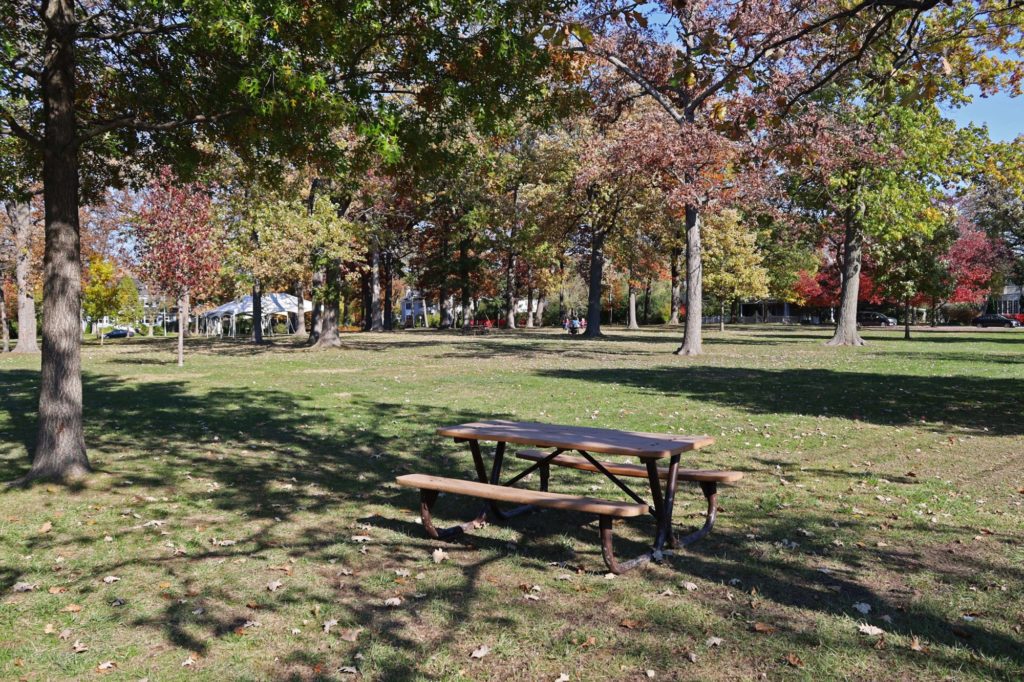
(574, 326)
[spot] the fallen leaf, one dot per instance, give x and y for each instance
(713, 641)
(609, 576)
(24, 587)
(590, 641)
(402, 572)
(690, 587)
(348, 670)
(106, 666)
(439, 555)
(65, 634)
(78, 647)
(481, 651)
(351, 635)
(188, 662)
(629, 623)
(274, 585)
(110, 579)
(46, 527)
(915, 645)
(361, 538)
(650, 674)
(691, 657)
(72, 608)
(863, 608)
(764, 628)
(57, 589)
(49, 629)
(328, 624)
(393, 601)
(562, 678)
(869, 630)
(794, 660)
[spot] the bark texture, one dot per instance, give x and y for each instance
(594, 285)
(20, 215)
(4, 332)
(60, 443)
(182, 326)
(300, 315)
(846, 326)
(694, 286)
(331, 310)
(631, 322)
(376, 320)
(257, 314)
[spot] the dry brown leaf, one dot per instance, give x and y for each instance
(915, 645)
(49, 629)
(713, 641)
(57, 589)
(869, 630)
(629, 623)
(351, 635)
(590, 641)
(439, 555)
(393, 601)
(764, 628)
(78, 647)
(274, 585)
(24, 587)
(480, 651)
(46, 527)
(794, 660)
(110, 579)
(105, 667)
(72, 608)
(65, 634)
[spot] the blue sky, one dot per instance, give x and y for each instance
(1004, 115)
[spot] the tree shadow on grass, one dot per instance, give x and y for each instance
(982, 404)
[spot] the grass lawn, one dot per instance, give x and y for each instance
(886, 478)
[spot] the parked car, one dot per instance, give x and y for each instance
(994, 320)
(874, 319)
(119, 334)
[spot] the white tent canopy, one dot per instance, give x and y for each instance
(272, 304)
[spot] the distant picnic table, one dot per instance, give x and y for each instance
(649, 448)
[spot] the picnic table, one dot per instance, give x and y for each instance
(650, 449)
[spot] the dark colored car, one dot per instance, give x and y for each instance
(873, 319)
(117, 334)
(994, 320)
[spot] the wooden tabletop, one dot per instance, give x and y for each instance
(589, 439)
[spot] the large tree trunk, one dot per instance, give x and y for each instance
(60, 443)
(387, 318)
(331, 310)
(316, 316)
(467, 318)
(631, 322)
(257, 313)
(376, 322)
(677, 291)
(182, 323)
(846, 328)
(510, 291)
(721, 316)
(542, 304)
(20, 215)
(594, 285)
(906, 319)
(694, 286)
(300, 311)
(529, 307)
(3, 320)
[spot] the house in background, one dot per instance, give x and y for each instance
(1009, 302)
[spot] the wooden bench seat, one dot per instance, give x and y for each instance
(634, 470)
(501, 493)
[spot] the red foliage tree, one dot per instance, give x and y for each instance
(177, 244)
(974, 259)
